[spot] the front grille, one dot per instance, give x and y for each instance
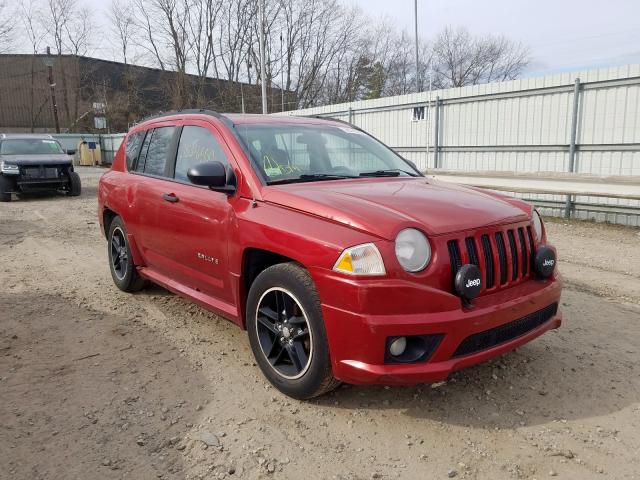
(32, 172)
(40, 172)
(488, 261)
(455, 258)
(523, 249)
(503, 255)
(470, 243)
(514, 255)
(495, 336)
(50, 172)
(502, 258)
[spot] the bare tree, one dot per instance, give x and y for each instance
(202, 26)
(460, 58)
(69, 28)
(78, 31)
(147, 24)
(6, 27)
(234, 47)
(28, 12)
(122, 25)
(166, 38)
(32, 28)
(318, 51)
(54, 19)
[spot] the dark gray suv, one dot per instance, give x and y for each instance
(30, 163)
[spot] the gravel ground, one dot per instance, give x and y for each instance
(95, 383)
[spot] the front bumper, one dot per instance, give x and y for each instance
(37, 185)
(357, 340)
(34, 177)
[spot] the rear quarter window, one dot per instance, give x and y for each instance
(142, 157)
(132, 148)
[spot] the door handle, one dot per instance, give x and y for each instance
(170, 197)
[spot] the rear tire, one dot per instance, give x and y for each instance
(75, 186)
(123, 270)
(287, 333)
(6, 187)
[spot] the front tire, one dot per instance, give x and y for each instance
(75, 185)
(287, 333)
(6, 187)
(123, 270)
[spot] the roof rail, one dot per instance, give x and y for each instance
(322, 117)
(202, 111)
(344, 122)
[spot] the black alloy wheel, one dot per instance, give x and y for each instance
(283, 332)
(123, 270)
(119, 254)
(287, 332)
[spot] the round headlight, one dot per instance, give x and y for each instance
(412, 250)
(537, 225)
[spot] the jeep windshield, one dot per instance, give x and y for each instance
(291, 153)
(29, 146)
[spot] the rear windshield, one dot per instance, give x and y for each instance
(29, 146)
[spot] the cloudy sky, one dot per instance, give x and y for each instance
(563, 35)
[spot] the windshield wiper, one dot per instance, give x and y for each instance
(311, 177)
(324, 176)
(391, 172)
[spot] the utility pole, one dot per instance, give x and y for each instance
(415, 18)
(52, 87)
(262, 55)
(242, 97)
(281, 74)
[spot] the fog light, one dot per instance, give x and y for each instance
(398, 346)
(411, 349)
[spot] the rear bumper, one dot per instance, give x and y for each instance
(357, 341)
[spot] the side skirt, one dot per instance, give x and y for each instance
(224, 309)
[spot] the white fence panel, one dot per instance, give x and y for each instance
(518, 126)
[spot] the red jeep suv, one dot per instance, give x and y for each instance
(341, 260)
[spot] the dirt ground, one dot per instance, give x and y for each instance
(98, 384)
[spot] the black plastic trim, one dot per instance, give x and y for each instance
(505, 333)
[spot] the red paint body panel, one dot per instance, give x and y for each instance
(312, 223)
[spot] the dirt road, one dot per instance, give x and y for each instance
(95, 383)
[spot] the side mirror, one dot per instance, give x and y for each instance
(70, 151)
(212, 175)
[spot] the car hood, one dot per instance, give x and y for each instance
(384, 206)
(53, 159)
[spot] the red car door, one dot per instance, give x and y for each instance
(148, 184)
(193, 222)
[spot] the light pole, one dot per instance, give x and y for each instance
(415, 18)
(262, 55)
(48, 61)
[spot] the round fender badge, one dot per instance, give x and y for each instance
(545, 261)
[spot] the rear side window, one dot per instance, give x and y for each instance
(158, 151)
(197, 145)
(133, 148)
